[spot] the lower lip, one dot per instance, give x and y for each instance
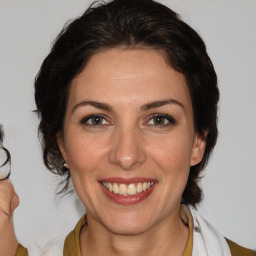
(128, 200)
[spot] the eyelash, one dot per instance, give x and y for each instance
(85, 120)
(170, 119)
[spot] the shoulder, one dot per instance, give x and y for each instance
(237, 250)
(72, 243)
(21, 251)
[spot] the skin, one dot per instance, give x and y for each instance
(9, 201)
(130, 143)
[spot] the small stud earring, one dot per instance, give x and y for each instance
(65, 165)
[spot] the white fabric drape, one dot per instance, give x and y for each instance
(207, 241)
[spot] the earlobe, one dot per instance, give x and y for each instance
(61, 145)
(198, 149)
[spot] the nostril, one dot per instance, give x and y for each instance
(127, 162)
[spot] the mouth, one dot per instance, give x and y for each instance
(127, 191)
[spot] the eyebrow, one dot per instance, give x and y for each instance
(160, 103)
(95, 104)
(145, 107)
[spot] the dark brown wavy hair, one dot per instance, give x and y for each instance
(126, 24)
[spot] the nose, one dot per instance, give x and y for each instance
(127, 151)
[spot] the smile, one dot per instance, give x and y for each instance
(128, 189)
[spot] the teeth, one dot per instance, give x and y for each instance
(110, 187)
(125, 190)
(144, 186)
(105, 184)
(115, 188)
(131, 189)
(139, 187)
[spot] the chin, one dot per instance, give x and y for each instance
(128, 229)
(127, 224)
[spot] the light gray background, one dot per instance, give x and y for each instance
(228, 27)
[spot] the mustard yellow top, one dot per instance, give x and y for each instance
(237, 250)
(72, 242)
(21, 251)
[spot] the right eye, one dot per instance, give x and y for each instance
(94, 121)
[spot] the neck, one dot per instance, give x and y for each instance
(169, 237)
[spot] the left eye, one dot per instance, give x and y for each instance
(161, 120)
(94, 120)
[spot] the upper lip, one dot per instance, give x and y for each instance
(127, 180)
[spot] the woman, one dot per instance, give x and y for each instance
(127, 101)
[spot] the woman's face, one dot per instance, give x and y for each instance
(129, 139)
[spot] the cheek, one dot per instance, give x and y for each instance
(172, 160)
(172, 153)
(84, 154)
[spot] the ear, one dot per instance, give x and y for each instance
(61, 144)
(198, 148)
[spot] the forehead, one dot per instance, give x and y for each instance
(129, 76)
